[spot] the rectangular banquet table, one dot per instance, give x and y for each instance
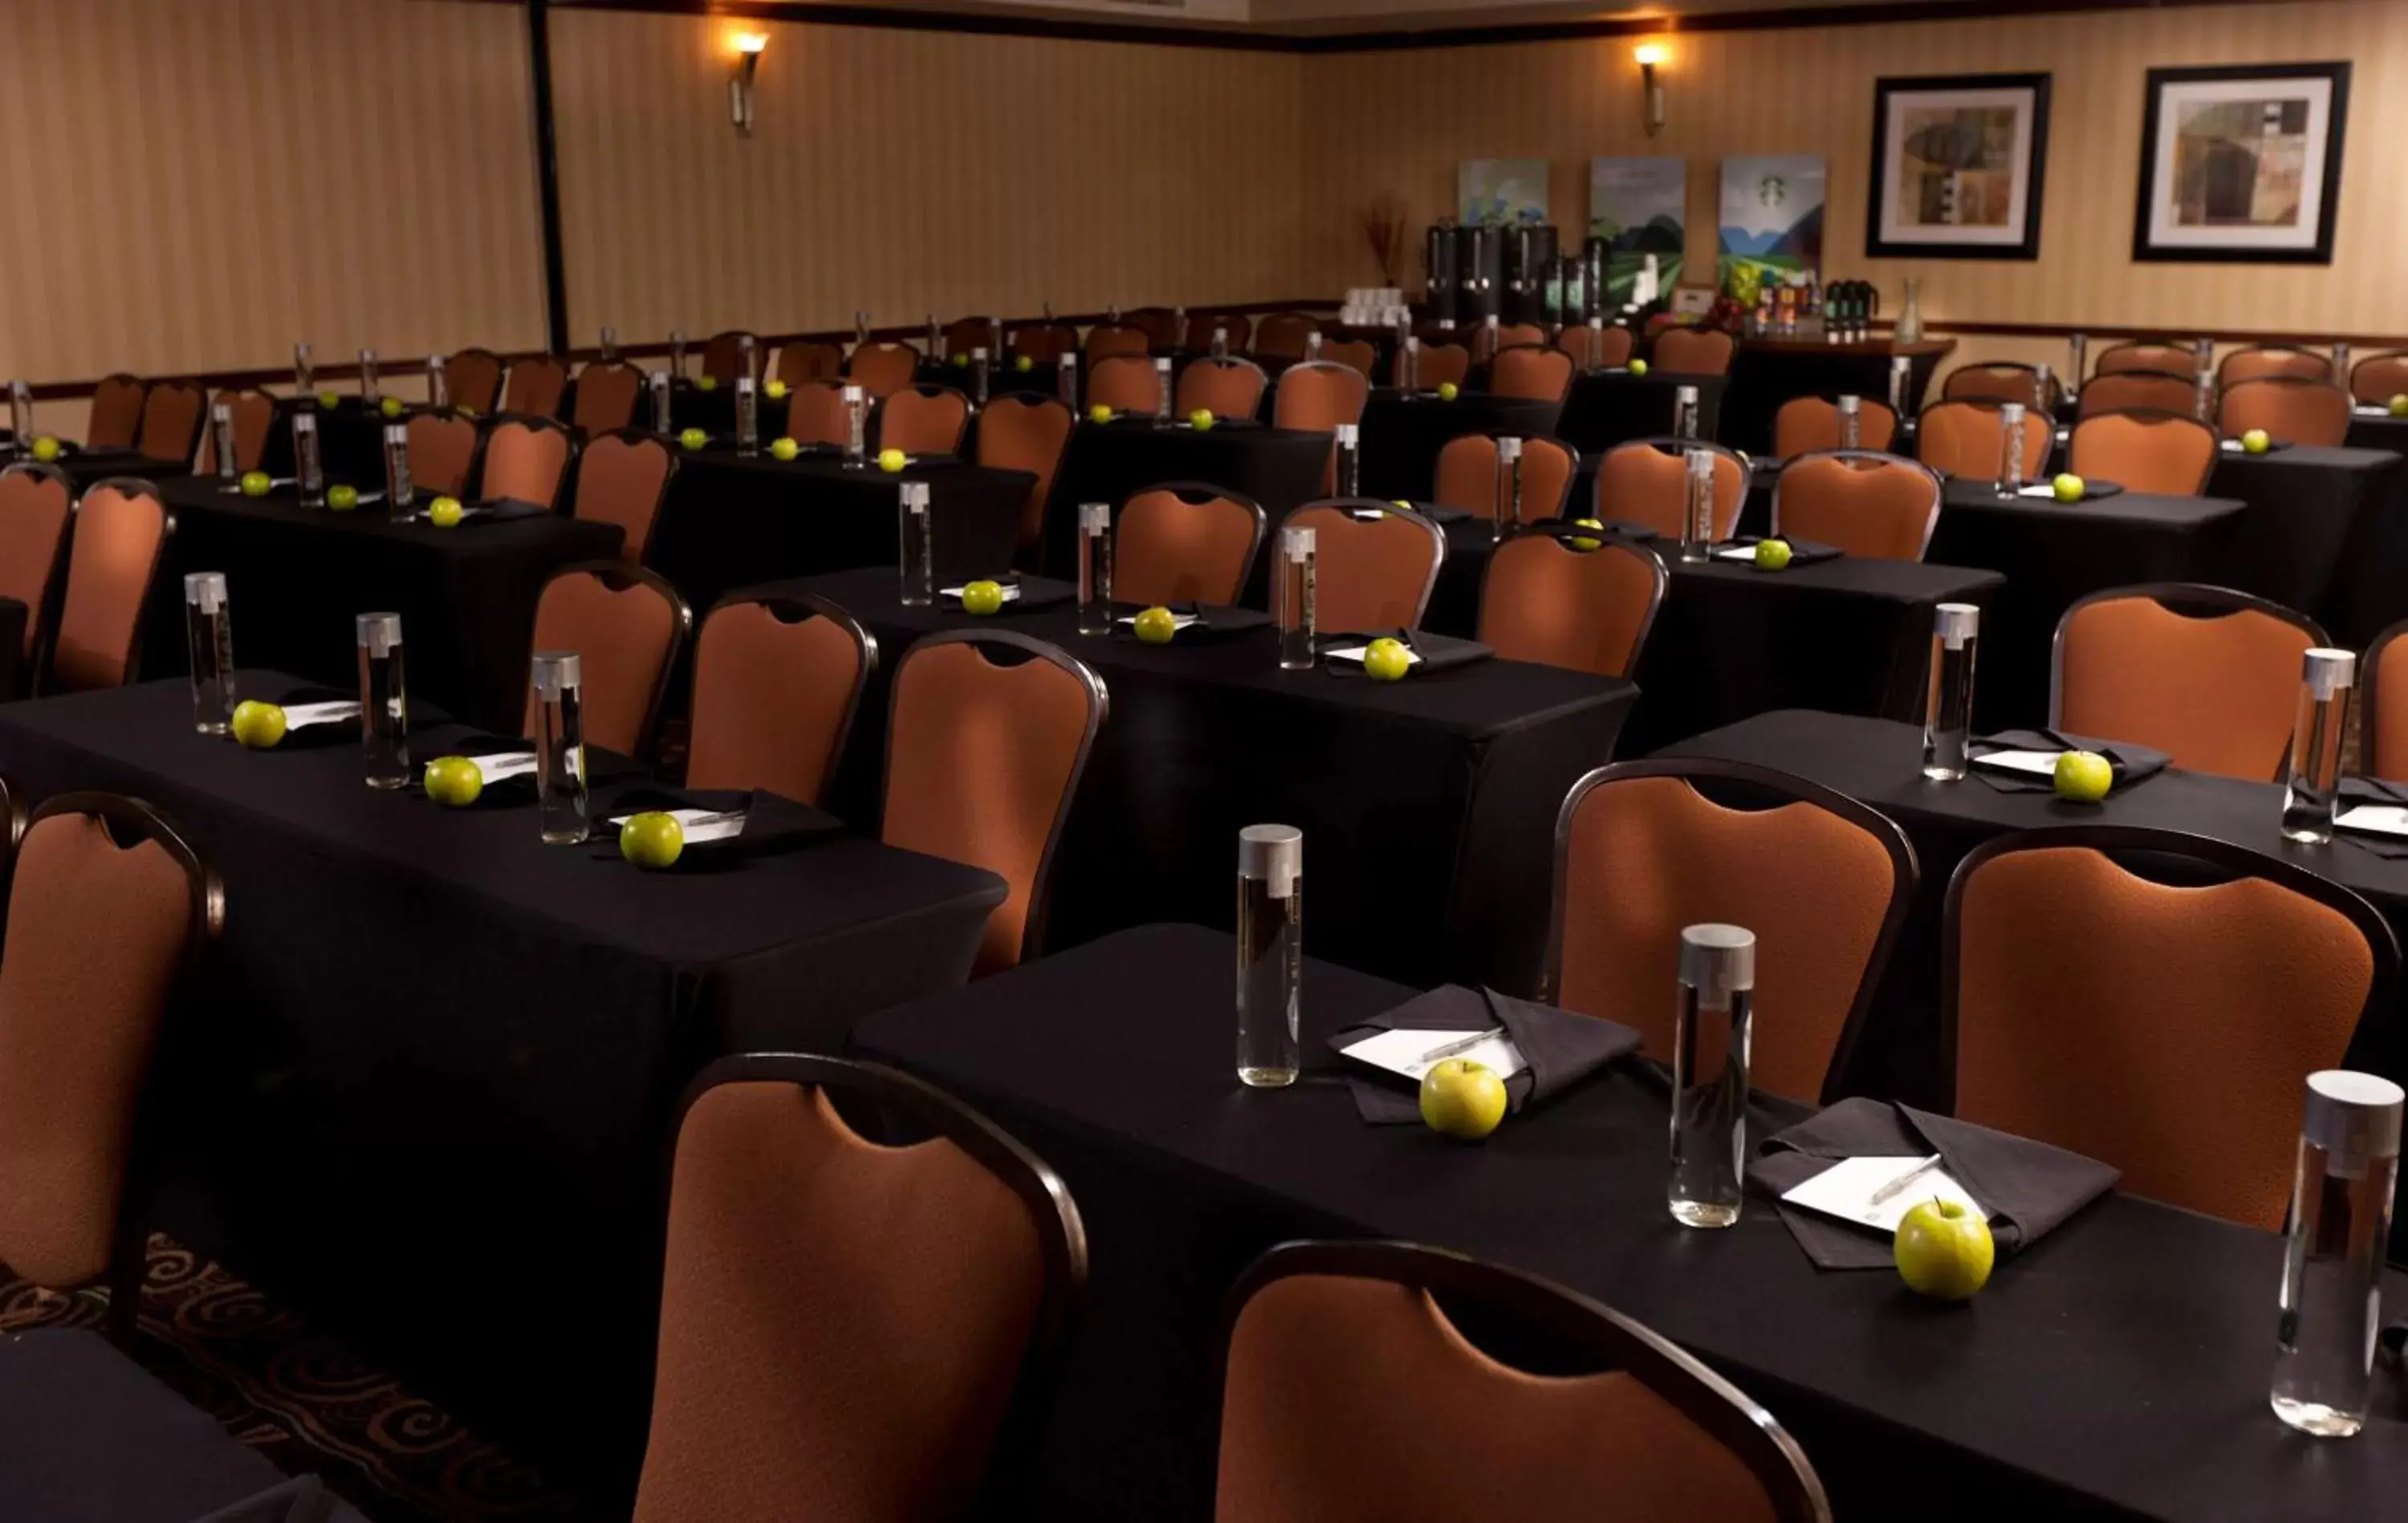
(1607, 407)
(2324, 528)
(86, 469)
(1403, 433)
(2118, 1368)
(297, 577)
(1427, 805)
(1769, 371)
(436, 1060)
(1280, 468)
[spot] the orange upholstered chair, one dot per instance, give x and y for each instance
(722, 358)
(1374, 564)
(1280, 335)
(1996, 380)
(37, 505)
(2377, 379)
(1159, 324)
(108, 907)
(984, 758)
(2091, 1007)
(815, 414)
(1646, 481)
(1441, 365)
(1584, 601)
(964, 334)
(626, 626)
(607, 395)
(1318, 396)
(805, 361)
(1467, 477)
(1969, 439)
(474, 378)
(2382, 706)
(442, 451)
(536, 387)
(1043, 344)
(1236, 328)
(2208, 675)
(1184, 542)
(172, 416)
(777, 681)
(1514, 336)
(254, 417)
(1532, 371)
(1823, 881)
(1228, 388)
(120, 541)
(622, 477)
(1881, 506)
(1695, 352)
(1806, 425)
(2301, 412)
(1354, 353)
(2168, 452)
(525, 459)
(2130, 391)
(1027, 433)
(2260, 361)
(2171, 359)
(850, 1330)
(1595, 349)
(883, 367)
(1104, 340)
(1125, 383)
(116, 419)
(1341, 1359)
(923, 420)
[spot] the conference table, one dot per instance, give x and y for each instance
(2322, 521)
(1403, 433)
(1766, 372)
(2116, 1369)
(1280, 468)
(425, 1086)
(1428, 804)
(1611, 407)
(86, 469)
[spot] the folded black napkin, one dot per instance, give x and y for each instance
(1035, 592)
(1438, 652)
(772, 823)
(302, 1499)
(1214, 621)
(1561, 1047)
(1570, 529)
(1802, 552)
(2094, 491)
(503, 509)
(2028, 1187)
(2358, 790)
(1439, 513)
(2131, 763)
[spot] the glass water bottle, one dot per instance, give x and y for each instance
(20, 414)
(1094, 568)
(308, 471)
(1293, 595)
(1162, 389)
(2331, 1309)
(663, 411)
(398, 493)
(1852, 422)
(2011, 449)
(919, 555)
(1349, 449)
(438, 382)
(1505, 507)
(610, 344)
(1698, 514)
(1066, 380)
(2202, 404)
(2077, 362)
(558, 679)
(1409, 365)
(2341, 363)
(677, 353)
(1685, 412)
(1948, 698)
(1902, 381)
(384, 703)
(1312, 347)
(2312, 780)
(2042, 376)
(209, 638)
(1220, 342)
(222, 444)
(305, 372)
(371, 393)
(856, 428)
(1710, 1049)
(935, 341)
(747, 416)
(979, 364)
(1270, 953)
(747, 359)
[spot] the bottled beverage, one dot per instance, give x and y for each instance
(747, 416)
(747, 359)
(677, 353)
(1505, 510)
(2041, 388)
(208, 638)
(1409, 365)
(935, 341)
(221, 442)
(1709, 1052)
(610, 344)
(309, 472)
(398, 491)
(384, 703)
(1293, 595)
(860, 329)
(1162, 389)
(2203, 403)
(1066, 380)
(1852, 430)
(2011, 449)
(1902, 381)
(1948, 698)
(1220, 341)
(305, 373)
(1313, 346)
(856, 428)
(559, 746)
(1685, 412)
(20, 414)
(2077, 362)
(919, 555)
(2331, 1306)
(661, 406)
(1350, 458)
(1697, 518)
(979, 375)
(2340, 362)
(1094, 568)
(2312, 784)
(438, 382)
(370, 392)
(1270, 953)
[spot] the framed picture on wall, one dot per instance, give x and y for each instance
(1500, 192)
(1957, 166)
(2241, 165)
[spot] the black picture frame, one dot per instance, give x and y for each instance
(2320, 252)
(2035, 167)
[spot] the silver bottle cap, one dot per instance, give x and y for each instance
(2329, 673)
(1901, 363)
(2352, 1115)
(1851, 403)
(978, 352)
(2011, 414)
(1717, 961)
(1162, 365)
(1296, 544)
(206, 591)
(1066, 361)
(1686, 396)
(1272, 854)
(1509, 449)
(397, 433)
(555, 672)
(853, 396)
(379, 635)
(1096, 517)
(1348, 433)
(1956, 623)
(914, 495)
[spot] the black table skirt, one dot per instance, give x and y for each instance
(2117, 1371)
(1761, 379)
(350, 441)
(297, 578)
(16, 674)
(86, 469)
(1403, 435)
(1106, 463)
(2316, 517)
(1427, 805)
(437, 1062)
(1609, 407)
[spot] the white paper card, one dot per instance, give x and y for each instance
(1354, 653)
(1178, 620)
(700, 825)
(302, 715)
(1846, 1191)
(2039, 763)
(1735, 552)
(1402, 1052)
(503, 764)
(1011, 592)
(2372, 412)
(2374, 819)
(2044, 490)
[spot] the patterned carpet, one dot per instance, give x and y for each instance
(302, 1400)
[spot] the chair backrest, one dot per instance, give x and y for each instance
(982, 762)
(2382, 715)
(172, 416)
(116, 417)
(1318, 396)
(37, 505)
(963, 334)
(1238, 328)
(1514, 336)
(1532, 371)
(2260, 361)
(254, 417)
(1866, 502)
(109, 905)
(815, 413)
(2168, 452)
(1694, 352)
(1185, 542)
(1995, 380)
(1341, 1359)
(777, 681)
(622, 479)
(1824, 881)
(2216, 689)
(883, 367)
(536, 387)
(1468, 478)
(474, 379)
(1027, 433)
(1374, 564)
(442, 450)
(722, 357)
(1159, 324)
(1105, 340)
(626, 625)
(120, 541)
(607, 391)
(1969, 439)
(2377, 379)
(806, 361)
(923, 420)
(2300, 412)
(1125, 383)
(1646, 481)
(2164, 1029)
(1354, 353)
(1584, 601)
(1280, 335)
(1441, 364)
(525, 459)
(2171, 359)
(1230, 388)
(2127, 391)
(848, 1328)
(1043, 343)
(1806, 425)
(1591, 349)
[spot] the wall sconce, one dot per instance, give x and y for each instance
(1650, 54)
(739, 80)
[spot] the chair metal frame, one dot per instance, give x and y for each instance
(54, 588)
(1367, 507)
(1879, 457)
(617, 576)
(781, 599)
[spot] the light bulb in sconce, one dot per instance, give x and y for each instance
(1649, 56)
(749, 48)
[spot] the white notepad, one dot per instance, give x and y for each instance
(1846, 1190)
(700, 825)
(1354, 653)
(1011, 592)
(2039, 763)
(2374, 819)
(1178, 620)
(504, 765)
(1735, 552)
(302, 715)
(1405, 1052)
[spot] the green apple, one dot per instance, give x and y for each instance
(890, 460)
(2255, 442)
(982, 598)
(2400, 405)
(444, 512)
(693, 438)
(2067, 487)
(1462, 1099)
(1944, 1250)
(1200, 420)
(390, 406)
(1638, 367)
(328, 399)
(258, 725)
(1405, 503)
(1447, 390)
(1099, 413)
(2083, 776)
(961, 362)
(342, 499)
(1583, 542)
(784, 450)
(776, 390)
(45, 448)
(1023, 364)
(1385, 660)
(706, 383)
(652, 839)
(255, 483)
(1772, 555)
(453, 780)
(1155, 626)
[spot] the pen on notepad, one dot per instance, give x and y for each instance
(1897, 1187)
(1448, 1049)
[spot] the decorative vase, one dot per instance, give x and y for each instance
(1909, 328)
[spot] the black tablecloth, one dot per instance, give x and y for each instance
(731, 520)
(86, 468)
(1280, 468)
(1427, 805)
(297, 577)
(2118, 1369)
(2321, 522)
(350, 441)
(1851, 634)
(1609, 407)
(15, 677)
(442, 1059)
(1764, 376)
(1402, 436)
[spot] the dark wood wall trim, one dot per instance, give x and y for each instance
(547, 174)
